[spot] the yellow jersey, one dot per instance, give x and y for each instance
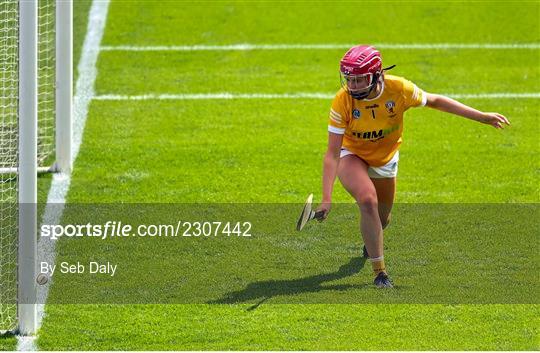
(372, 128)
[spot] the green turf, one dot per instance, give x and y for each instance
(307, 71)
(8, 342)
(321, 22)
(294, 327)
(270, 151)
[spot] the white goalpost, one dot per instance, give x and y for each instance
(35, 136)
(27, 168)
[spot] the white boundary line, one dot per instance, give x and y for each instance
(84, 91)
(300, 95)
(248, 46)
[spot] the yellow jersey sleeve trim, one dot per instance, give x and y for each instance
(419, 95)
(424, 98)
(336, 130)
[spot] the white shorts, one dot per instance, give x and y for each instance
(389, 170)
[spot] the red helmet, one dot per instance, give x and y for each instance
(360, 70)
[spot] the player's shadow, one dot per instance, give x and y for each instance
(260, 292)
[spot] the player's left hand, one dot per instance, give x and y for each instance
(495, 119)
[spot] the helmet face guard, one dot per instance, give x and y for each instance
(359, 86)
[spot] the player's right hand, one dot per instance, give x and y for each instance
(325, 207)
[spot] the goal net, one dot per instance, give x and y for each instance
(9, 98)
(44, 52)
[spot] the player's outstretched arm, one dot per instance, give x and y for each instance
(330, 167)
(450, 105)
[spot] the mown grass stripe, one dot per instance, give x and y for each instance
(249, 46)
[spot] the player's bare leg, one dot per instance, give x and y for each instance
(386, 191)
(353, 175)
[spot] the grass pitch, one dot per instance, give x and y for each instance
(217, 151)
